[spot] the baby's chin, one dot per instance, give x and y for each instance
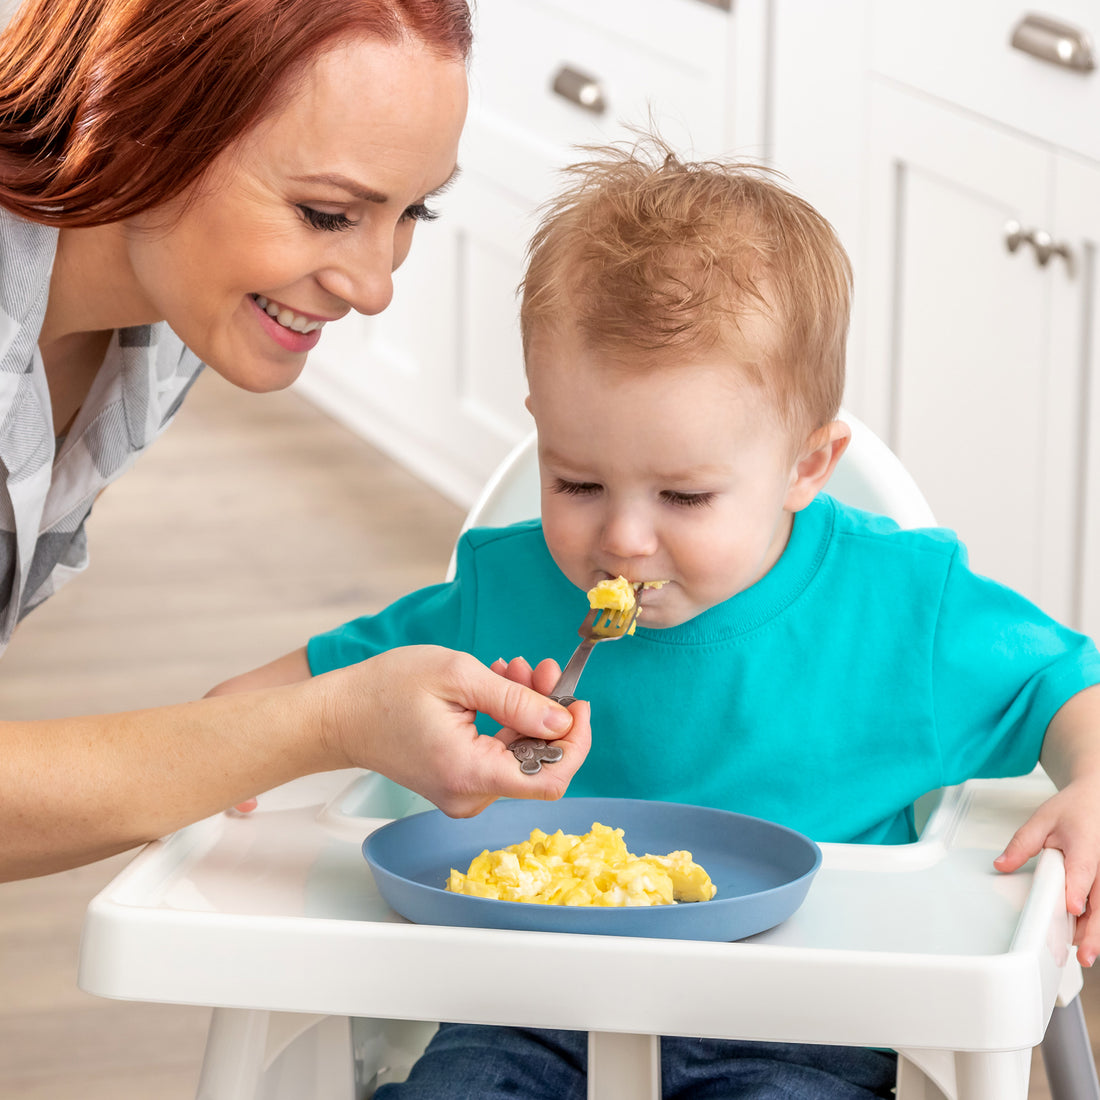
(654, 619)
(659, 614)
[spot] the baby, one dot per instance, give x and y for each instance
(684, 328)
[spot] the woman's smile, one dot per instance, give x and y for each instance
(293, 331)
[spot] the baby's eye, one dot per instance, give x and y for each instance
(575, 488)
(322, 219)
(418, 212)
(687, 500)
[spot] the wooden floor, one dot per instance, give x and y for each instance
(253, 523)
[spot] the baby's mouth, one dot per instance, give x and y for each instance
(286, 317)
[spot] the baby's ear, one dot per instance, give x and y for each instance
(815, 463)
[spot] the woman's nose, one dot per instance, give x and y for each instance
(363, 277)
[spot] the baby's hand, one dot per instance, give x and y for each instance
(1070, 821)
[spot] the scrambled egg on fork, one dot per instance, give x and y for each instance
(592, 869)
(619, 595)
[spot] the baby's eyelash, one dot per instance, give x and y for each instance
(575, 488)
(688, 500)
(322, 219)
(418, 212)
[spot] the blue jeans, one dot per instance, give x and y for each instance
(473, 1062)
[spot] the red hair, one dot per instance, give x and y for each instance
(111, 107)
(650, 258)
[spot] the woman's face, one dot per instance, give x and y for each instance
(307, 216)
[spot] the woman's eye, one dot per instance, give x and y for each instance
(687, 500)
(575, 488)
(418, 212)
(322, 219)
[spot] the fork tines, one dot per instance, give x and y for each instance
(608, 622)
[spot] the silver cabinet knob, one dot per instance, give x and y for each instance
(579, 88)
(1042, 244)
(1051, 40)
(1015, 235)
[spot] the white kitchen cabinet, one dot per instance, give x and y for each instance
(437, 380)
(1075, 329)
(976, 362)
(977, 386)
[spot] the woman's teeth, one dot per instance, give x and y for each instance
(286, 317)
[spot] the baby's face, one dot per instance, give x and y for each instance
(677, 474)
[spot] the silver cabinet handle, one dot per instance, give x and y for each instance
(1042, 244)
(1053, 41)
(1045, 247)
(580, 88)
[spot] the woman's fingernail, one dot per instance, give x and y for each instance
(559, 720)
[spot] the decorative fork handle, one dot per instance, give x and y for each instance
(531, 752)
(571, 674)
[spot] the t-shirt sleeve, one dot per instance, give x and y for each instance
(438, 615)
(430, 616)
(1001, 670)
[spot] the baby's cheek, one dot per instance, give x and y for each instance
(570, 549)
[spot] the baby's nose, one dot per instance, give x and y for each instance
(627, 533)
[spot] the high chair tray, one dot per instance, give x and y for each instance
(278, 910)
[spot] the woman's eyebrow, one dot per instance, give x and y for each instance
(361, 191)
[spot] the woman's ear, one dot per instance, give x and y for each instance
(815, 463)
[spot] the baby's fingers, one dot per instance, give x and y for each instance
(1080, 882)
(542, 678)
(1087, 936)
(1027, 841)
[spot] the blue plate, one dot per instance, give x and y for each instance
(762, 870)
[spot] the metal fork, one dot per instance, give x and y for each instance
(601, 624)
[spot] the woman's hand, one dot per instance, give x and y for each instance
(409, 714)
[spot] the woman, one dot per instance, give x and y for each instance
(212, 181)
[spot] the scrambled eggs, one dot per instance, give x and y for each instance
(593, 869)
(619, 595)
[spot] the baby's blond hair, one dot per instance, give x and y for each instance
(647, 257)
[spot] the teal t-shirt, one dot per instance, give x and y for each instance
(869, 666)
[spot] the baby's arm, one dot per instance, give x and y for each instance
(283, 670)
(1071, 819)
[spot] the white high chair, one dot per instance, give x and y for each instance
(320, 991)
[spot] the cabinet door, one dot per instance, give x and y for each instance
(961, 372)
(1076, 334)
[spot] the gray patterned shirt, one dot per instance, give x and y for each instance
(48, 486)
